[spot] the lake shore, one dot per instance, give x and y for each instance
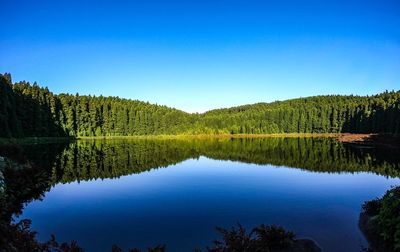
(221, 136)
(35, 140)
(389, 140)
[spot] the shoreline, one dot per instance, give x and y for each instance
(35, 140)
(389, 140)
(205, 136)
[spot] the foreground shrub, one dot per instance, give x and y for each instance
(261, 239)
(380, 221)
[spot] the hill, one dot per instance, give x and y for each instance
(28, 110)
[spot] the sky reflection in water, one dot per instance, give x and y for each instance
(181, 205)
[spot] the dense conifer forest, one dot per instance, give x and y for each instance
(28, 110)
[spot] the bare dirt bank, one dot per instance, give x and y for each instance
(371, 139)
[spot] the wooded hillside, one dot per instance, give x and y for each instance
(29, 110)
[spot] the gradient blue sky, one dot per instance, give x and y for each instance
(198, 55)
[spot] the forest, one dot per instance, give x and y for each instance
(28, 110)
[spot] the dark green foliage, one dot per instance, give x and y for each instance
(17, 177)
(20, 238)
(319, 114)
(389, 218)
(233, 240)
(20, 183)
(261, 239)
(158, 248)
(9, 123)
(382, 225)
(372, 207)
(28, 110)
(276, 237)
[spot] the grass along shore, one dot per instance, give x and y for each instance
(214, 136)
(387, 139)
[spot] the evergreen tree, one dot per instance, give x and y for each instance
(29, 110)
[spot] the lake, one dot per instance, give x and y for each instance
(144, 192)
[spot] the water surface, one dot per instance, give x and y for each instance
(139, 193)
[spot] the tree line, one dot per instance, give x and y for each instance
(28, 110)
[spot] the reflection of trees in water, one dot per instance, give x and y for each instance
(313, 154)
(85, 160)
(26, 175)
(41, 166)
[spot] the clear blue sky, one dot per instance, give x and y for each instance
(198, 55)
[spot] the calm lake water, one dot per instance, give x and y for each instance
(139, 193)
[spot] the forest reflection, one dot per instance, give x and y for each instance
(100, 159)
(32, 170)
